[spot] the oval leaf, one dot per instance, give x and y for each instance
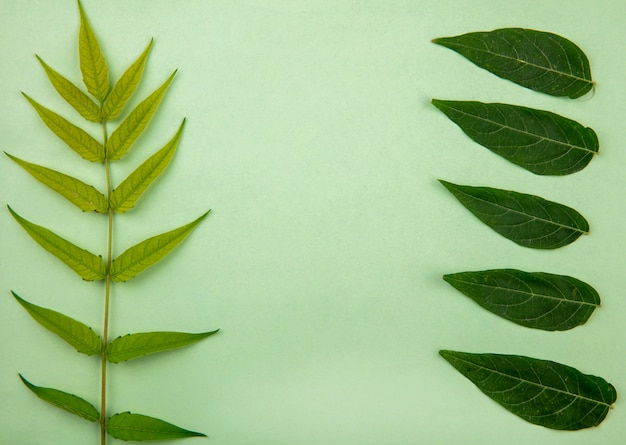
(527, 220)
(83, 196)
(539, 141)
(539, 391)
(129, 130)
(89, 266)
(77, 334)
(535, 300)
(137, 427)
(92, 63)
(145, 254)
(136, 345)
(538, 60)
(63, 400)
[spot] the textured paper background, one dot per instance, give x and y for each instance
(311, 136)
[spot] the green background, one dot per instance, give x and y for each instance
(311, 136)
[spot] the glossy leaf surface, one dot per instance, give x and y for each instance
(137, 427)
(539, 391)
(137, 345)
(89, 266)
(77, 334)
(527, 220)
(66, 401)
(82, 195)
(145, 254)
(92, 63)
(535, 300)
(130, 190)
(539, 141)
(538, 60)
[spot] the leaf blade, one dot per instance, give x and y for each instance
(539, 141)
(527, 220)
(542, 392)
(537, 60)
(536, 300)
(92, 63)
(137, 427)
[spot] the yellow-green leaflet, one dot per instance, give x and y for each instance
(145, 254)
(89, 266)
(82, 195)
(125, 87)
(129, 130)
(77, 334)
(130, 190)
(82, 103)
(92, 64)
(76, 138)
(137, 427)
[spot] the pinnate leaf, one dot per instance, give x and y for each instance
(527, 220)
(76, 138)
(539, 391)
(538, 60)
(77, 334)
(66, 401)
(89, 266)
(145, 254)
(124, 197)
(539, 141)
(129, 130)
(533, 299)
(92, 63)
(83, 196)
(137, 427)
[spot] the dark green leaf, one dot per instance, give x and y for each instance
(92, 63)
(89, 266)
(538, 60)
(536, 300)
(539, 141)
(137, 427)
(128, 192)
(136, 345)
(77, 334)
(143, 255)
(528, 220)
(539, 391)
(63, 400)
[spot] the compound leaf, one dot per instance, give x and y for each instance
(145, 254)
(92, 63)
(538, 60)
(539, 141)
(527, 220)
(533, 299)
(539, 391)
(137, 427)
(89, 266)
(124, 197)
(63, 400)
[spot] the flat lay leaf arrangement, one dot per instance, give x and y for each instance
(105, 105)
(539, 391)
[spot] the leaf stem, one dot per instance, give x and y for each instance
(107, 294)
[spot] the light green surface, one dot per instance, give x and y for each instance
(311, 136)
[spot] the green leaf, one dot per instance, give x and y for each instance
(92, 63)
(539, 141)
(539, 391)
(86, 107)
(125, 87)
(76, 138)
(124, 197)
(136, 345)
(83, 196)
(527, 220)
(143, 255)
(63, 400)
(535, 300)
(137, 427)
(77, 334)
(89, 266)
(538, 60)
(129, 130)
